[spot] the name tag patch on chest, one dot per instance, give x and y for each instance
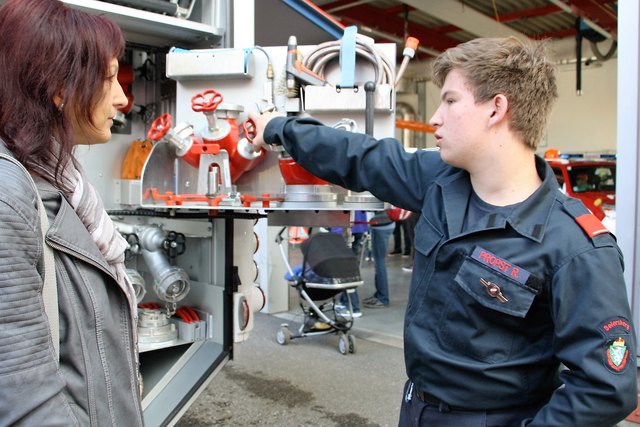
(502, 265)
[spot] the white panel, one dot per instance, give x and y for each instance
(628, 139)
(243, 25)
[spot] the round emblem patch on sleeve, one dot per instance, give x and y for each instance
(616, 333)
(617, 354)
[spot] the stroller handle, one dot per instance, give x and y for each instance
(279, 241)
(279, 236)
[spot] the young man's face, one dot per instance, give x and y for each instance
(460, 123)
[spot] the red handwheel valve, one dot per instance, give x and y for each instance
(182, 138)
(159, 127)
(247, 155)
(206, 101)
(217, 131)
(249, 129)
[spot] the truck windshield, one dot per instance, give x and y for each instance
(593, 178)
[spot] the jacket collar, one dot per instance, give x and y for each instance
(528, 218)
(66, 232)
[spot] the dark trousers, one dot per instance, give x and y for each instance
(411, 227)
(398, 232)
(416, 413)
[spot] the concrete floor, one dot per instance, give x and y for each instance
(308, 382)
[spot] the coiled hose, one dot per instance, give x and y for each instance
(324, 53)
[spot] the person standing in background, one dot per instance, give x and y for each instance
(401, 239)
(59, 89)
(401, 218)
(411, 226)
(381, 227)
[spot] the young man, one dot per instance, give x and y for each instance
(518, 313)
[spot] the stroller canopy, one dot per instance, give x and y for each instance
(328, 255)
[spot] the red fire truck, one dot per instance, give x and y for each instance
(589, 178)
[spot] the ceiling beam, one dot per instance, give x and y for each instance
(464, 17)
(529, 13)
(508, 17)
(394, 25)
(596, 11)
(574, 10)
(339, 5)
(423, 52)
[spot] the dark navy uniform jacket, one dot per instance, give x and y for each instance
(525, 309)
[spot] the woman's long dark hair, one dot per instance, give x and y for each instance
(50, 50)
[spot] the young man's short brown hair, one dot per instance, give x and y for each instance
(520, 70)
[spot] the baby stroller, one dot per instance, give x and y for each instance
(329, 267)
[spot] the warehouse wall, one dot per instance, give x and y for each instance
(586, 122)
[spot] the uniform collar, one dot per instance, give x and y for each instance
(529, 218)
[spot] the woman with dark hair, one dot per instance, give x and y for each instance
(58, 89)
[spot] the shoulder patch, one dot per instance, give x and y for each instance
(591, 225)
(615, 352)
(617, 355)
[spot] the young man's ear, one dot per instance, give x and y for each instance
(500, 106)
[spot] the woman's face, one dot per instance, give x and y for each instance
(102, 115)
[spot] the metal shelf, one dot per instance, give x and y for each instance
(152, 29)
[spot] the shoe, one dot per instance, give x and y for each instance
(370, 299)
(408, 269)
(343, 311)
(406, 255)
(374, 304)
(395, 252)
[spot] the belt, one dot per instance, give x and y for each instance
(434, 401)
(430, 399)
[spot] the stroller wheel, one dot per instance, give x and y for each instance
(343, 343)
(352, 343)
(283, 336)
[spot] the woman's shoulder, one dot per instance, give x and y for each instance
(17, 191)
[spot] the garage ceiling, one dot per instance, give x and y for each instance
(440, 24)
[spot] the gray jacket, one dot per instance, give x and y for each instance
(96, 382)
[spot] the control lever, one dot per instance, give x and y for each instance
(296, 71)
(369, 109)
